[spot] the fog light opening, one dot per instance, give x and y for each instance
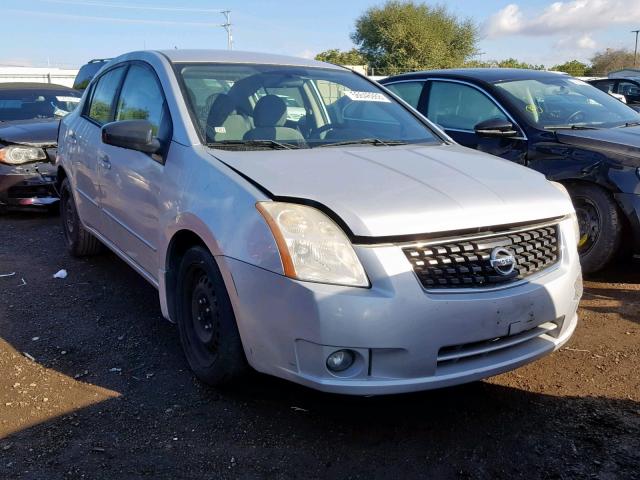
(340, 360)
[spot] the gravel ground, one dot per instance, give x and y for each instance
(93, 385)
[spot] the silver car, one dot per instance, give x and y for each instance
(357, 250)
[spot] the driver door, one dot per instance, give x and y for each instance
(459, 107)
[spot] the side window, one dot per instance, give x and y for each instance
(629, 89)
(102, 96)
(605, 85)
(141, 98)
(409, 91)
(460, 107)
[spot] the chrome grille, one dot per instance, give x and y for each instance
(468, 263)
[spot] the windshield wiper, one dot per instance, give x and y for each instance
(365, 141)
(570, 127)
(253, 143)
(629, 124)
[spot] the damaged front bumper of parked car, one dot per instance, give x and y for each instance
(30, 183)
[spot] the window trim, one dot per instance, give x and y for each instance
(429, 82)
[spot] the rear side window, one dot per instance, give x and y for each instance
(104, 92)
(409, 91)
(460, 107)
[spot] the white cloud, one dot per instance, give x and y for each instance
(586, 42)
(564, 17)
(574, 43)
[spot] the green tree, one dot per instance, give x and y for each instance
(610, 60)
(405, 35)
(514, 63)
(572, 67)
(507, 63)
(340, 57)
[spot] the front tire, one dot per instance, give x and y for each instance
(600, 226)
(208, 330)
(80, 242)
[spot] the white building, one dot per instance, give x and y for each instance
(60, 76)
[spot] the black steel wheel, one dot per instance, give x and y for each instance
(207, 325)
(79, 241)
(600, 226)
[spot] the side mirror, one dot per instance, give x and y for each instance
(495, 127)
(131, 134)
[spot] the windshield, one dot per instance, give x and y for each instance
(269, 106)
(566, 102)
(26, 104)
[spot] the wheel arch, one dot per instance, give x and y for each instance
(181, 241)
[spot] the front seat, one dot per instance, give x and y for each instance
(223, 123)
(269, 116)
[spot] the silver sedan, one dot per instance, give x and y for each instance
(349, 245)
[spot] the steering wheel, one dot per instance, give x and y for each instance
(573, 118)
(316, 132)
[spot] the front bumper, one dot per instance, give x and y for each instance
(405, 338)
(22, 185)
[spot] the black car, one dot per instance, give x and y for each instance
(29, 117)
(629, 87)
(563, 127)
(87, 72)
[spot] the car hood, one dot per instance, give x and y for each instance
(392, 191)
(36, 133)
(623, 142)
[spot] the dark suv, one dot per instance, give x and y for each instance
(88, 71)
(629, 87)
(561, 126)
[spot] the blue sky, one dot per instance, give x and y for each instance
(69, 32)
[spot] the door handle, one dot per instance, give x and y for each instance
(104, 161)
(72, 138)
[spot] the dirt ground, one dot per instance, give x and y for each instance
(93, 385)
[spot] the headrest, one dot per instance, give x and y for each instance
(270, 111)
(220, 110)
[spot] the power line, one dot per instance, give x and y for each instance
(227, 13)
(132, 7)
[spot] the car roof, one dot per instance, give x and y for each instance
(33, 86)
(489, 75)
(233, 56)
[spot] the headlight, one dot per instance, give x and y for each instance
(572, 215)
(17, 154)
(312, 247)
(561, 187)
(576, 227)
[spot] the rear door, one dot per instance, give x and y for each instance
(458, 107)
(131, 179)
(84, 135)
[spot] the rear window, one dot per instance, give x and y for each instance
(27, 104)
(86, 74)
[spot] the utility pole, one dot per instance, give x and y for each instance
(227, 27)
(635, 52)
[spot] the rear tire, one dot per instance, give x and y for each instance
(600, 226)
(208, 330)
(79, 242)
